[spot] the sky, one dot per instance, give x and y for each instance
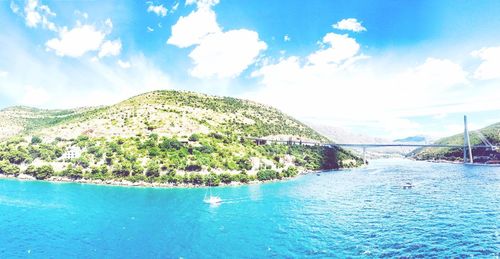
(384, 68)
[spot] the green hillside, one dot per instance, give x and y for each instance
(161, 136)
(491, 133)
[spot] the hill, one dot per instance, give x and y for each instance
(491, 133)
(162, 136)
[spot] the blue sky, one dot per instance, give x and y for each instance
(376, 67)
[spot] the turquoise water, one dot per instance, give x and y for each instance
(452, 211)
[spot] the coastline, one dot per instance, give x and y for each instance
(142, 184)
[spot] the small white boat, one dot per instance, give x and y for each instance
(407, 185)
(210, 199)
(213, 200)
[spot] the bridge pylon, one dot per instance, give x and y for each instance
(467, 146)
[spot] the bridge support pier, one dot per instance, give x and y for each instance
(364, 155)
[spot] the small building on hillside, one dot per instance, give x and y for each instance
(72, 152)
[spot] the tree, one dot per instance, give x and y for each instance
(122, 169)
(244, 164)
(267, 174)
(152, 169)
(17, 156)
(44, 172)
(243, 177)
(225, 178)
(72, 172)
(194, 137)
(212, 179)
(36, 140)
(193, 167)
(8, 169)
(196, 179)
(137, 169)
(291, 171)
(169, 144)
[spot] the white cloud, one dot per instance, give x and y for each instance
(490, 66)
(350, 24)
(174, 7)
(150, 29)
(123, 64)
(14, 7)
(286, 38)
(217, 54)
(85, 38)
(35, 14)
(202, 3)
(334, 85)
(191, 29)
(110, 48)
(159, 10)
(77, 41)
(341, 48)
(440, 73)
(81, 14)
(53, 84)
(226, 54)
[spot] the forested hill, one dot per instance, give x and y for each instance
(162, 112)
(160, 136)
(491, 133)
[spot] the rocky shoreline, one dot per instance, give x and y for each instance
(125, 183)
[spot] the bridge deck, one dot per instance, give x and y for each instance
(361, 145)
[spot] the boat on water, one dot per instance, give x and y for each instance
(407, 185)
(213, 200)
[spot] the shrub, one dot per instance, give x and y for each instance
(212, 180)
(267, 174)
(137, 169)
(196, 179)
(72, 172)
(8, 169)
(193, 167)
(243, 177)
(291, 171)
(44, 172)
(225, 178)
(36, 140)
(152, 169)
(194, 137)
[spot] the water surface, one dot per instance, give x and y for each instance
(452, 211)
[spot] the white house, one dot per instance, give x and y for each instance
(72, 152)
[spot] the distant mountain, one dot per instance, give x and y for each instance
(418, 138)
(340, 135)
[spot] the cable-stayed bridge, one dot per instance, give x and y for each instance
(467, 147)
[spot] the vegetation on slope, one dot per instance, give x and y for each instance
(491, 133)
(165, 137)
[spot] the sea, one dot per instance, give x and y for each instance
(391, 208)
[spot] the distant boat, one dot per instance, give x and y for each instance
(407, 185)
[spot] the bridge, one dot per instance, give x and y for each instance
(467, 147)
